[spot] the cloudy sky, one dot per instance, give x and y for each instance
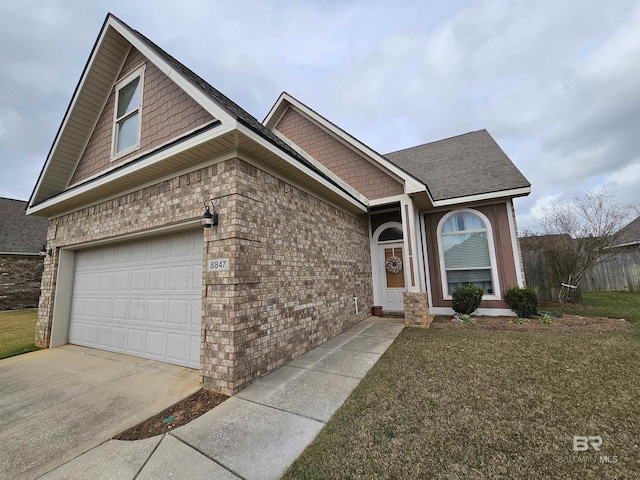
(556, 83)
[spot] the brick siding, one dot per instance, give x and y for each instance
(296, 264)
(20, 281)
(167, 113)
(345, 163)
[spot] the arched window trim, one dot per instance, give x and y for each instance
(492, 253)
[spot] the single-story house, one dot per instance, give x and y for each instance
(307, 227)
(21, 264)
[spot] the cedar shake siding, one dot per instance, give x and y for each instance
(497, 215)
(296, 264)
(167, 113)
(358, 172)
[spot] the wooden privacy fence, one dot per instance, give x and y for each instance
(617, 274)
(620, 273)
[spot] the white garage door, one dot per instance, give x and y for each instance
(141, 298)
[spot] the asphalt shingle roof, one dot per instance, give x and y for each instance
(468, 164)
(19, 233)
(630, 233)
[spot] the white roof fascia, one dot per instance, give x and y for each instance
(192, 142)
(218, 112)
(295, 163)
(411, 184)
(517, 192)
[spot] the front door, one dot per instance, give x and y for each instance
(391, 268)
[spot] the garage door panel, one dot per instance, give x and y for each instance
(91, 308)
(195, 350)
(157, 310)
(93, 282)
(141, 251)
(103, 335)
(155, 344)
(89, 333)
(121, 308)
(135, 340)
(118, 336)
(123, 254)
(122, 281)
(196, 314)
(179, 312)
(108, 256)
(137, 310)
(158, 279)
(180, 278)
(139, 279)
(142, 298)
(160, 248)
(177, 347)
(107, 281)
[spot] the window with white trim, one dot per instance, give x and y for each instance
(128, 114)
(467, 254)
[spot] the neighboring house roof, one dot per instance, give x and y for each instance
(629, 235)
(467, 165)
(19, 233)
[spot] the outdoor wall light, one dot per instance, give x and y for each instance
(44, 252)
(209, 219)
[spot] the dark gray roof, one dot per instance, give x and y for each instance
(469, 164)
(232, 108)
(19, 233)
(629, 234)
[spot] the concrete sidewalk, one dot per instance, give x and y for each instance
(257, 433)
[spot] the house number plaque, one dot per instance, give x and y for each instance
(218, 264)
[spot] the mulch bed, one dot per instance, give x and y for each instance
(183, 412)
(565, 324)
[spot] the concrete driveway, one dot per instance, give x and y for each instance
(59, 403)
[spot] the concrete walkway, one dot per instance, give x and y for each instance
(257, 433)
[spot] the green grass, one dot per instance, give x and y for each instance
(17, 332)
(457, 404)
(602, 304)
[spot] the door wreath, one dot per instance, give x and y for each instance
(393, 264)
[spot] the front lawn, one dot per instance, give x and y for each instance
(460, 404)
(17, 332)
(602, 304)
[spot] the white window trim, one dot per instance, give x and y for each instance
(139, 72)
(497, 295)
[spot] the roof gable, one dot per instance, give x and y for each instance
(92, 93)
(168, 113)
(286, 101)
(465, 166)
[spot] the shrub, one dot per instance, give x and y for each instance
(523, 301)
(466, 299)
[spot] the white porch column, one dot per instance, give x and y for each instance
(411, 244)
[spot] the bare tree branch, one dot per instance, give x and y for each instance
(578, 235)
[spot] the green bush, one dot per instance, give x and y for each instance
(523, 301)
(466, 299)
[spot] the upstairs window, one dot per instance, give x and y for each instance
(128, 114)
(466, 253)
